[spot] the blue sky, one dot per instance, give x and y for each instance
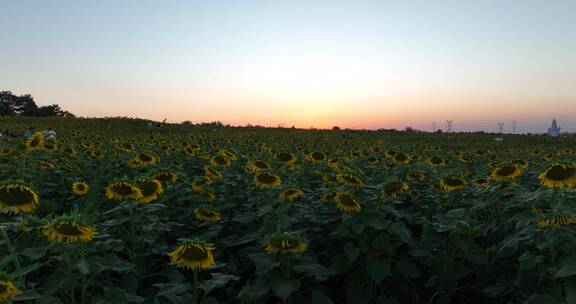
(365, 64)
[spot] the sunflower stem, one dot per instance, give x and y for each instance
(196, 298)
(11, 251)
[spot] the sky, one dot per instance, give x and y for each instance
(356, 64)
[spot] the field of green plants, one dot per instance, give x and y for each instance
(114, 211)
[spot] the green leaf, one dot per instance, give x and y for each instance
(570, 289)
(378, 268)
(566, 268)
(284, 289)
(400, 230)
(407, 269)
(351, 251)
(319, 297)
(83, 267)
(218, 280)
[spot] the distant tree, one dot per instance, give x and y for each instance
(186, 122)
(24, 105)
(336, 128)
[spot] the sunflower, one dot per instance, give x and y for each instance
(207, 214)
(220, 160)
(328, 196)
(267, 180)
(60, 230)
(193, 255)
(80, 188)
(150, 188)
(212, 173)
(401, 158)
(317, 157)
(286, 158)
(5, 151)
(51, 146)
(123, 190)
(291, 194)
(414, 194)
(207, 195)
(392, 189)
(17, 198)
(35, 142)
(166, 177)
(146, 159)
(46, 165)
(522, 164)
(505, 173)
(69, 150)
(345, 202)
(559, 175)
(285, 243)
(452, 182)
(436, 161)
(415, 175)
(257, 165)
(350, 180)
(556, 221)
(8, 290)
(465, 159)
(481, 182)
(228, 154)
(127, 147)
(199, 183)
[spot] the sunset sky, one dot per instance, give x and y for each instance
(359, 64)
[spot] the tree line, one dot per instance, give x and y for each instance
(24, 105)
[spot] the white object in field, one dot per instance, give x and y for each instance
(499, 139)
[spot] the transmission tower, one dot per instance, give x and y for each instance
(514, 126)
(434, 127)
(500, 127)
(449, 122)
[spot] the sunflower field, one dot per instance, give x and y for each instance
(113, 211)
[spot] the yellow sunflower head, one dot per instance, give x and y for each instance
(506, 173)
(220, 160)
(401, 158)
(291, 194)
(8, 290)
(559, 175)
(193, 255)
(345, 202)
(286, 158)
(199, 183)
(123, 190)
(266, 180)
(166, 177)
(145, 159)
(415, 175)
(350, 180)
(80, 188)
(228, 154)
(452, 182)
(17, 197)
(328, 197)
(35, 142)
(65, 230)
(392, 189)
(150, 188)
(207, 214)
(555, 221)
(317, 157)
(481, 182)
(212, 173)
(436, 161)
(285, 243)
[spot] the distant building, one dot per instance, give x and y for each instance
(554, 130)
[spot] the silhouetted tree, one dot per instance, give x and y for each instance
(24, 105)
